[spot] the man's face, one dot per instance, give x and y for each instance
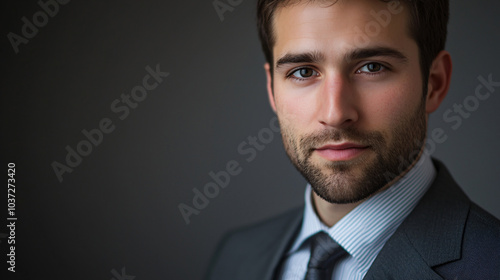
(351, 110)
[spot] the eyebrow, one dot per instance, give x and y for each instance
(307, 57)
(357, 54)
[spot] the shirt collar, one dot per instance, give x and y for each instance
(364, 230)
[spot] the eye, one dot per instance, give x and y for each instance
(371, 67)
(303, 73)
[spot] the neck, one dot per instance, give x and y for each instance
(331, 213)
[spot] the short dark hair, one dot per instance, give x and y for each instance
(427, 26)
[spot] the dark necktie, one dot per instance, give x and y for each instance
(325, 252)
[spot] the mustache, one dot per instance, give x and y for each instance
(314, 140)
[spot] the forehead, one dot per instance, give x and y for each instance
(340, 26)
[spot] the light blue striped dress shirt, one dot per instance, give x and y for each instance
(363, 231)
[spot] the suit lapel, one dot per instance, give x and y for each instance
(399, 260)
(431, 235)
(271, 261)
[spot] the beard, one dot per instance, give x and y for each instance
(392, 155)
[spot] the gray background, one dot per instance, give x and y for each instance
(119, 207)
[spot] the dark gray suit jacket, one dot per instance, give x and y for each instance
(446, 236)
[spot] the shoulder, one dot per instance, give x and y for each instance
(479, 217)
(446, 232)
(248, 244)
(265, 230)
(480, 254)
(480, 226)
(258, 235)
(482, 235)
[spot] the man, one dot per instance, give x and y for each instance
(353, 83)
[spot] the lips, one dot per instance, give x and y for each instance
(341, 152)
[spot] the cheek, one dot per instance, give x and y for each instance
(385, 108)
(295, 109)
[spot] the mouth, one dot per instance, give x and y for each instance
(341, 152)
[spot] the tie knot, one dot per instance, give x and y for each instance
(325, 252)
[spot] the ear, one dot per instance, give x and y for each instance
(439, 81)
(270, 94)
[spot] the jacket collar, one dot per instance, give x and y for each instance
(430, 236)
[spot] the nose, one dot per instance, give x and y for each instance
(337, 103)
